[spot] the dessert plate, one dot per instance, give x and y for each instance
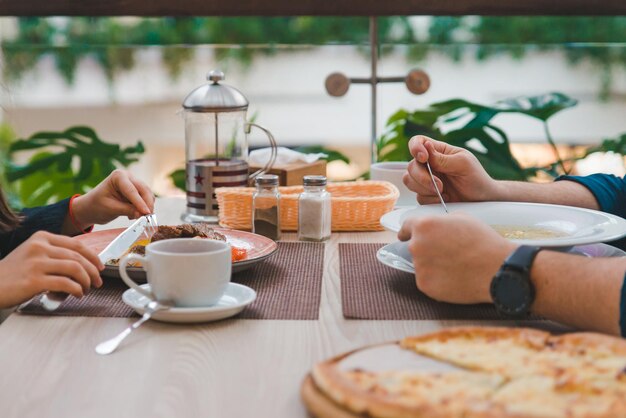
(575, 226)
(235, 299)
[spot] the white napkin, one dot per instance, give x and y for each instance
(602, 162)
(285, 156)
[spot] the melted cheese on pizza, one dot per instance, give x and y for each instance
(508, 373)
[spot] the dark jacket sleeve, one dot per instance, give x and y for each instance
(609, 191)
(44, 218)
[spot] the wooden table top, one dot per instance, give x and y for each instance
(232, 368)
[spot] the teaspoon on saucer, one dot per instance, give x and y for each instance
(436, 188)
(109, 346)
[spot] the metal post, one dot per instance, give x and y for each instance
(373, 81)
(337, 84)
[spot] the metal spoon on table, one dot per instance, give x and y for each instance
(436, 188)
(109, 346)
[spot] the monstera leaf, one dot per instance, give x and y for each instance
(469, 125)
(401, 126)
(540, 107)
(65, 163)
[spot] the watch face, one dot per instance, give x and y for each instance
(512, 292)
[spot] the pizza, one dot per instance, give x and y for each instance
(497, 372)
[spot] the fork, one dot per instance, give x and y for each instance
(152, 226)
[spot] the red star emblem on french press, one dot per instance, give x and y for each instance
(199, 179)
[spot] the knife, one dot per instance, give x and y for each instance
(52, 300)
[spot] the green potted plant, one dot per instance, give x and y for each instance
(470, 125)
(63, 163)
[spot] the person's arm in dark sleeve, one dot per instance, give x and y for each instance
(609, 191)
(43, 218)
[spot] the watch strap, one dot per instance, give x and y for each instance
(522, 258)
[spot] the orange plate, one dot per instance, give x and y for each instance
(257, 247)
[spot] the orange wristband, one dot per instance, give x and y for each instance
(73, 219)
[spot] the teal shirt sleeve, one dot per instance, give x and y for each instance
(609, 191)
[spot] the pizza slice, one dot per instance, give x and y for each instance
(506, 351)
(402, 394)
(545, 396)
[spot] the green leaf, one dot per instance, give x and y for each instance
(541, 107)
(38, 162)
(64, 162)
(400, 115)
(455, 104)
(617, 145)
(49, 173)
(178, 178)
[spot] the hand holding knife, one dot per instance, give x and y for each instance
(146, 224)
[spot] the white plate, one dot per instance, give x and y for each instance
(235, 299)
(582, 226)
(397, 256)
(257, 246)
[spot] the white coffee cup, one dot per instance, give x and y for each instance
(393, 172)
(188, 272)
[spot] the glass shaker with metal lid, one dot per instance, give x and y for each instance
(216, 145)
(314, 210)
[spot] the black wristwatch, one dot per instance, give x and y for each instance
(512, 291)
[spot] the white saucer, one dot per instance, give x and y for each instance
(397, 256)
(235, 299)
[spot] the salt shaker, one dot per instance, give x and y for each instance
(266, 207)
(314, 210)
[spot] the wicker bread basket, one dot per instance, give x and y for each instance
(356, 206)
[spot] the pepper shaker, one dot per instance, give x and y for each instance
(314, 210)
(266, 207)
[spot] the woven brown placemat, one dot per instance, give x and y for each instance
(288, 286)
(371, 290)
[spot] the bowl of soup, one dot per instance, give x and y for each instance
(527, 223)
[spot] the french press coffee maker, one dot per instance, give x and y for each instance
(216, 141)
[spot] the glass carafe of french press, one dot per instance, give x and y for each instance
(216, 141)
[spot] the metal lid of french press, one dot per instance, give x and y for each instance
(314, 180)
(215, 97)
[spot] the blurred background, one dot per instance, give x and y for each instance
(126, 78)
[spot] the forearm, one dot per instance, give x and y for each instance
(69, 228)
(565, 192)
(75, 222)
(579, 291)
